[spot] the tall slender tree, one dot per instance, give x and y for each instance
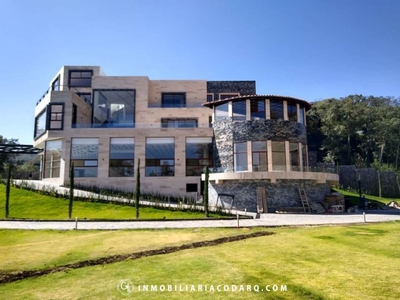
(8, 191)
(205, 192)
(137, 189)
(71, 190)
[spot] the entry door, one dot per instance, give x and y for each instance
(261, 200)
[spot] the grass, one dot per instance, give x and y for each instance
(30, 205)
(355, 197)
(353, 262)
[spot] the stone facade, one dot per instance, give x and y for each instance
(242, 87)
(283, 193)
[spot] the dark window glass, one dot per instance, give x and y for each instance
(260, 157)
(301, 115)
(294, 156)
(276, 110)
(87, 97)
(40, 123)
(80, 78)
(221, 111)
(55, 86)
(56, 120)
(240, 156)
(239, 110)
(198, 155)
(74, 115)
(84, 156)
(178, 123)
(210, 98)
(304, 156)
(160, 157)
(191, 188)
(122, 153)
(173, 100)
(292, 112)
(257, 108)
(114, 108)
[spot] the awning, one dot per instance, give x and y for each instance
(19, 149)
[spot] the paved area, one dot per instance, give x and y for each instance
(265, 220)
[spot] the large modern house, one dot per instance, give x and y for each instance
(255, 145)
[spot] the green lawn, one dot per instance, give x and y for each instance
(355, 197)
(31, 205)
(353, 262)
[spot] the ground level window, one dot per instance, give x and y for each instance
(122, 153)
(160, 157)
(84, 156)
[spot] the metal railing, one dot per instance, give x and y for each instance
(68, 88)
(279, 168)
(142, 125)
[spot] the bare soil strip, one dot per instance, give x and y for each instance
(11, 277)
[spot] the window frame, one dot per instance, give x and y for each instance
(44, 111)
(163, 94)
(53, 84)
(158, 162)
(235, 157)
(259, 153)
(57, 114)
(80, 71)
(132, 160)
(165, 122)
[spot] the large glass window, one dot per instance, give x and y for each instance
(240, 156)
(259, 154)
(257, 108)
(276, 109)
(40, 123)
(239, 110)
(114, 108)
(52, 159)
(160, 157)
(56, 111)
(178, 123)
(198, 155)
(122, 153)
(80, 78)
(84, 156)
(278, 156)
(221, 111)
(294, 156)
(292, 112)
(173, 100)
(55, 86)
(301, 115)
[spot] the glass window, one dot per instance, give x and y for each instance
(178, 123)
(122, 153)
(40, 123)
(198, 155)
(160, 157)
(191, 187)
(80, 78)
(173, 100)
(260, 157)
(221, 111)
(210, 97)
(52, 159)
(114, 108)
(294, 156)
(278, 156)
(239, 110)
(87, 97)
(301, 115)
(56, 111)
(257, 108)
(55, 86)
(240, 156)
(292, 112)
(276, 110)
(84, 156)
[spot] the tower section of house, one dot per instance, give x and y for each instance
(260, 154)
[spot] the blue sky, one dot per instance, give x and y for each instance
(309, 49)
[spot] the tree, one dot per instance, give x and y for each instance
(8, 191)
(205, 192)
(137, 189)
(4, 157)
(71, 190)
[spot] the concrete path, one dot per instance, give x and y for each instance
(265, 220)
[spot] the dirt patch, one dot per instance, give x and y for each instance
(11, 277)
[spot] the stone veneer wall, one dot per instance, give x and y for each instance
(242, 87)
(369, 179)
(227, 132)
(283, 193)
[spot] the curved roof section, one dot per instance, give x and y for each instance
(271, 97)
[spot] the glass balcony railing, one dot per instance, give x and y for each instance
(280, 168)
(143, 125)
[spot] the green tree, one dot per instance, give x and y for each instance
(8, 191)
(4, 157)
(71, 190)
(205, 191)
(137, 189)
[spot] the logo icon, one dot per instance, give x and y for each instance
(125, 286)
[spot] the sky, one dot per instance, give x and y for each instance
(307, 49)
